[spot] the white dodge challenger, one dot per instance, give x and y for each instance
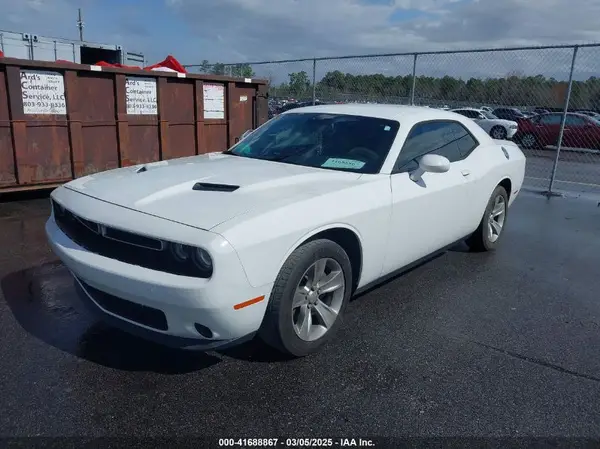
(494, 126)
(273, 236)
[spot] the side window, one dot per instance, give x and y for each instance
(449, 139)
(464, 140)
(573, 120)
(550, 119)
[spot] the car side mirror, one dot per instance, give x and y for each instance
(431, 163)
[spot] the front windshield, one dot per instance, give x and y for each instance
(489, 115)
(331, 141)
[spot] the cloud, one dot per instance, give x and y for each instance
(251, 30)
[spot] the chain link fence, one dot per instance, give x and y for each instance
(552, 93)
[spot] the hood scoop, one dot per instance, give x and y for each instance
(210, 187)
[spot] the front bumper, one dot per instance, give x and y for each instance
(510, 132)
(162, 338)
(166, 307)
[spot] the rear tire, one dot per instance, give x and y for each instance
(491, 227)
(305, 310)
(498, 132)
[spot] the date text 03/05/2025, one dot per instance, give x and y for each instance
(295, 442)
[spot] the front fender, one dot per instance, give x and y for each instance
(265, 240)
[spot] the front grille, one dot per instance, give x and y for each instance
(138, 313)
(120, 245)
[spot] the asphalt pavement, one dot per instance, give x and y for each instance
(502, 344)
(578, 172)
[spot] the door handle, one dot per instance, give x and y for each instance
(466, 172)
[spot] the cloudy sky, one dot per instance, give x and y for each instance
(256, 30)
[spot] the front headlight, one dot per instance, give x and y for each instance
(202, 259)
(197, 258)
(180, 252)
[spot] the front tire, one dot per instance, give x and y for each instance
(529, 141)
(308, 299)
(492, 225)
(498, 132)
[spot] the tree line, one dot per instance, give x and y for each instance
(218, 68)
(513, 89)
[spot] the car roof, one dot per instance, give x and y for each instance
(467, 109)
(560, 113)
(385, 111)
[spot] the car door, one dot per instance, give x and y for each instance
(575, 135)
(588, 136)
(473, 115)
(434, 211)
(547, 129)
(482, 121)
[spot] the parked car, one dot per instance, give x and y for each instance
(581, 131)
(273, 236)
(486, 109)
(495, 127)
(300, 104)
(513, 114)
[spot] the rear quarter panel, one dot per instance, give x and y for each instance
(266, 237)
(491, 167)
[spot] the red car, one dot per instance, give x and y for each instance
(581, 131)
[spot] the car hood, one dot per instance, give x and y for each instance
(166, 189)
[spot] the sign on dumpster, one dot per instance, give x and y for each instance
(140, 96)
(214, 101)
(43, 92)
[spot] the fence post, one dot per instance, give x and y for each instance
(414, 80)
(314, 82)
(562, 122)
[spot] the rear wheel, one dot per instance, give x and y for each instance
(308, 299)
(498, 132)
(491, 227)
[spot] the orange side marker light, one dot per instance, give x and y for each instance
(248, 303)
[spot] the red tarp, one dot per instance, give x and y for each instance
(169, 63)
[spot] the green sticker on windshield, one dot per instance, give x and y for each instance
(351, 164)
(242, 148)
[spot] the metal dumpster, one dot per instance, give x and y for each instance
(60, 121)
